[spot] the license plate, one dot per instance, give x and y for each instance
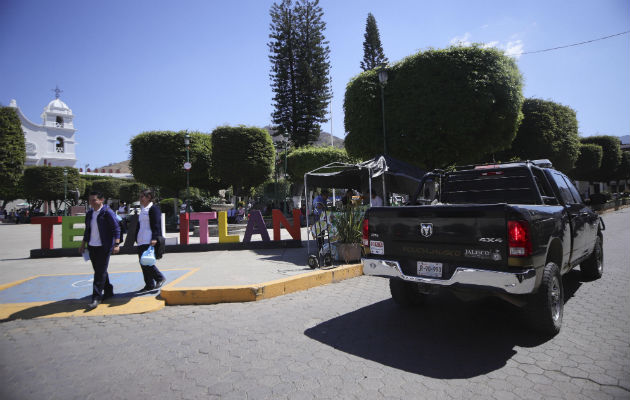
(430, 269)
(377, 247)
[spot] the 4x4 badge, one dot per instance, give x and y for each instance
(426, 229)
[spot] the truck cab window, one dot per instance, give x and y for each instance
(574, 192)
(565, 192)
(543, 186)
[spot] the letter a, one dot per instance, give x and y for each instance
(256, 225)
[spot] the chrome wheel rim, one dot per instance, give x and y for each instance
(555, 299)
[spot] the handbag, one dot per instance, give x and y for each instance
(148, 257)
(160, 247)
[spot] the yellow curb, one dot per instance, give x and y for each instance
(75, 308)
(254, 292)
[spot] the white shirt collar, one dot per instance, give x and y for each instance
(147, 207)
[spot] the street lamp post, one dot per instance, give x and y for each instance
(275, 185)
(65, 191)
(187, 168)
(382, 78)
(286, 141)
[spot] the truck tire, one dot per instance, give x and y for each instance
(404, 293)
(593, 267)
(546, 307)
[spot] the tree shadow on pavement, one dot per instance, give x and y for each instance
(69, 306)
(296, 255)
(445, 338)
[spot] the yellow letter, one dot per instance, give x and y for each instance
(223, 232)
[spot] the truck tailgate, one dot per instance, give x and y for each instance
(452, 235)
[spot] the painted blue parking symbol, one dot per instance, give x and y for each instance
(69, 287)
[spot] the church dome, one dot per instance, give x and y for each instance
(57, 106)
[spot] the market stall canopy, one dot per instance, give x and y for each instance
(400, 177)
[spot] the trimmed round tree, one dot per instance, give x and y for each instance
(548, 130)
(441, 107)
(243, 157)
(611, 156)
(588, 162)
(623, 170)
(109, 187)
(158, 157)
(12, 154)
(130, 192)
(43, 183)
(305, 159)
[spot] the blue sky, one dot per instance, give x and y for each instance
(131, 66)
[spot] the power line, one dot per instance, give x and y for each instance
(575, 44)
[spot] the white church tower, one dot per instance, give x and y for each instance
(53, 142)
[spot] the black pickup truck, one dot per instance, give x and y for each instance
(510, 230)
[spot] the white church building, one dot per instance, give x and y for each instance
(53, 142)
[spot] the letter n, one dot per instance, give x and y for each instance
(279, 219)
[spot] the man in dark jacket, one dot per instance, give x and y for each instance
(102, 237)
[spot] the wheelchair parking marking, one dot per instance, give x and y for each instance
(60, 287)
(66, 295)
(88, 282)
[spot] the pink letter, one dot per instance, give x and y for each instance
(203, 218)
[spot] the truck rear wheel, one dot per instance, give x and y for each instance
(546, 307)
(404, 293)
(593, 267)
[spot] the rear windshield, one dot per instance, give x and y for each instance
(486, 186)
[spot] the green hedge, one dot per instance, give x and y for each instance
(243, 157)
(305, 159)
(130, 192)
(588, 162)
(166, 205)
(549, 130)
(158, 157)
(611, 156)
(47, 183)
(12, 154)
(441, 107)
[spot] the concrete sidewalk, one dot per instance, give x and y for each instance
(207, 277)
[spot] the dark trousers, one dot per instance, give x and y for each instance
(99, 256)
(151, 273)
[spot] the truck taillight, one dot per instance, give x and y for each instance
(519, 239)
(366, 233)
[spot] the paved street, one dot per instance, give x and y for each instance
(343, 340)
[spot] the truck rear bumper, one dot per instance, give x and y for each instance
(510, 282)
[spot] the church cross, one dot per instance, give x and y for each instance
(57, 91)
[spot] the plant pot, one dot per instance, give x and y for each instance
(349, 251)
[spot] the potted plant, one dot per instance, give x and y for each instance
(349, 224)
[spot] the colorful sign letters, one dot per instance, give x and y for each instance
(255, 226)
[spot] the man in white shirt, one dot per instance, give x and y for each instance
(376, 200)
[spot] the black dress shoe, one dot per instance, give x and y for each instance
(93, 304)
(159, 284)
(146, 289)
